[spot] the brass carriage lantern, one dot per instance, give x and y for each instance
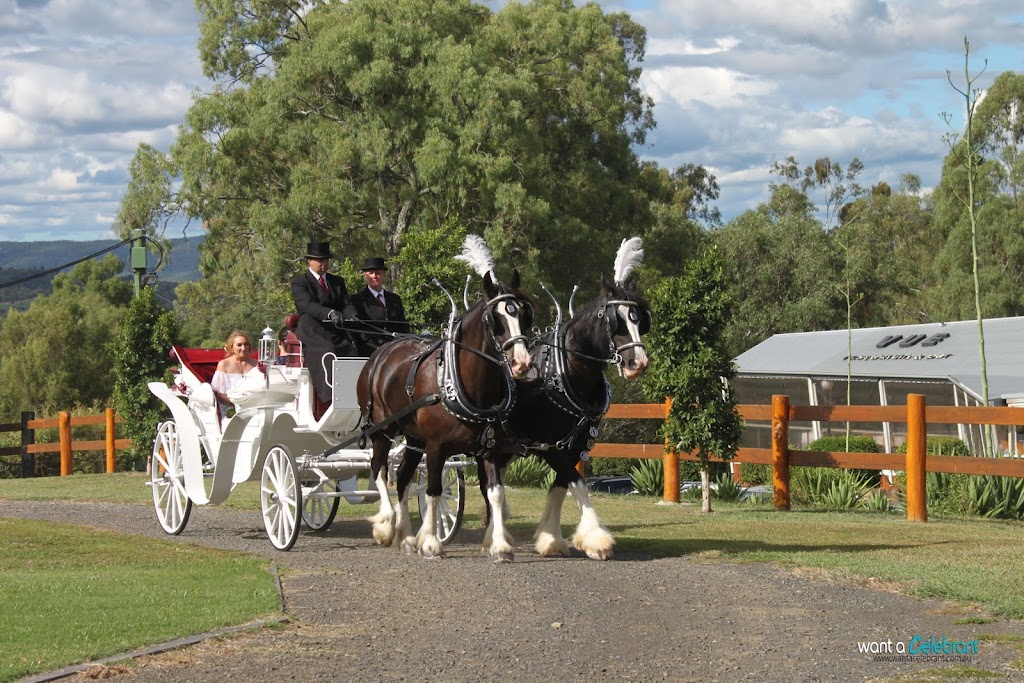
(268, 347)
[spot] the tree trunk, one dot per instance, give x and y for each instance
(705, 489)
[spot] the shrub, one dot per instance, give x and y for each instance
(858, 444)
(827, 487)
(611, 467)
(648, 477)
(528, 471)
(726, 488)
(753, 474)
(941, 445)
(877, 501)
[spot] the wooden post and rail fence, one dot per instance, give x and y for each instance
(780, 456)
(65, 444)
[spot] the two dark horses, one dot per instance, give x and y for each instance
(465, 403)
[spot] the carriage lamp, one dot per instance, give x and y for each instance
(268, 347)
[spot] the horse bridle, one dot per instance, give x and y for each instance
(609, 312)
(512, 305)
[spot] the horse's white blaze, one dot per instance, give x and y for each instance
(518, 356)
(384, 521)
(501, 546)
(548, 537)
(639, 352)
(590, 537)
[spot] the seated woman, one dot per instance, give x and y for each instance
(232, 368)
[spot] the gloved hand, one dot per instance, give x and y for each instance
(335, 317)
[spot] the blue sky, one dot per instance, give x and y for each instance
(737, 84)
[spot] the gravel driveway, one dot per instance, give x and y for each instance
(365, 613)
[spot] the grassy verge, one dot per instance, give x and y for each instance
(72, 594)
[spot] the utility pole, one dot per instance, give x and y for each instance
(139, 261)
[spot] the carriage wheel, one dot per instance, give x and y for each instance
(167, 479)
(280, 498)
(452, 504)
(318, 511)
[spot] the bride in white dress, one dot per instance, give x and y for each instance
(231, 369)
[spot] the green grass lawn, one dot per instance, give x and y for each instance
(974, 561)
(72, 594)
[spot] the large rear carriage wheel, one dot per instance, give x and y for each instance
(167, 479)
(280, 498)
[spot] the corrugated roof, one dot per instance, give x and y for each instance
(926, 351)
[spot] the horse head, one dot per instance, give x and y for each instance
(511, 315)
(627, 317)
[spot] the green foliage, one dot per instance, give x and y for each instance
(370, 121)
(611, 467)
(940, 445)
(726, 488)
(877, 501)
(689, 362)
(828, 487)
(141, 356)
(858, 444)
(649, 478)
(993, 496)
(779, 266)
(528, 471)
(754, 474)
(54, 355)
(426, 255)
(845, 492)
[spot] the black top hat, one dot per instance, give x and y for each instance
(374, 263)
(318, 250)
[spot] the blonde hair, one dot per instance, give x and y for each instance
(231, 338)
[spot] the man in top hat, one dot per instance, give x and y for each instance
(323, 305)
(381, 311)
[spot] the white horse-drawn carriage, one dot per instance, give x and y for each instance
(306, 456)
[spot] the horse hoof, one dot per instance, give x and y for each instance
(504, 557)
(409, 547)
(596, 554)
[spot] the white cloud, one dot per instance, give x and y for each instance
(715, 87)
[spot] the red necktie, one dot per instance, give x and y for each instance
(323, 284)
(380, 298)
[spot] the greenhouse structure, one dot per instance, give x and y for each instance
(880, 366)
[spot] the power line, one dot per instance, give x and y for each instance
(66, 265)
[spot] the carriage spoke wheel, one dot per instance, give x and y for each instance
(167, 479)
(318, 511)
(452, 504)
(280, 498)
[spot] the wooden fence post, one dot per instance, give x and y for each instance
(917, 504)
(111, 435)
(780, 451)
(64, 430)
(28, 437)
(670, 460)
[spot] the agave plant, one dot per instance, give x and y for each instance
(994, 496)
(648, 477)
(528, 472)
(727, 489)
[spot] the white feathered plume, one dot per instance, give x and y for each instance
(478, 256)
(631, 254)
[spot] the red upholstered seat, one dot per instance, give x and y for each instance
(201, 362)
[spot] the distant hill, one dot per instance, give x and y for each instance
(23, 259)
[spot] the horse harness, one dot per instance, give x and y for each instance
(452, 391)
(558, 387)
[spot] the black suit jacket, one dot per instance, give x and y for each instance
(319, 338)
(390, 318)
